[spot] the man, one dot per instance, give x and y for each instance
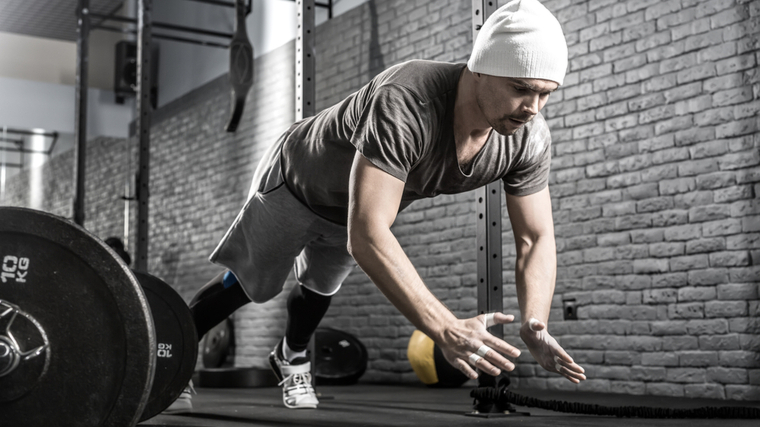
(327, 193)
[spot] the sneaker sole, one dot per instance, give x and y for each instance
(274, 366)
(182, 409)
(300, 407)
(278, 373)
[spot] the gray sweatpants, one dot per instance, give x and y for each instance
(275, 231)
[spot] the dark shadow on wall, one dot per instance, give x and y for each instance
(376, 60)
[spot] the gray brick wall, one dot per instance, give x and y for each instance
(106, 170)
(654, 184)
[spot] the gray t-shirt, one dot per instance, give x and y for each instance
(402, 122)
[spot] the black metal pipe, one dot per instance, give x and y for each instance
(114, 29)
(217, 2)
(186, 40)
(143, 120)
(113, 18)
(192, 30)
(327, 5)
(166, 37)
(14, 141)
(24, 150)
(225, 3)
(29, 132)
(80, 128)
(109, 14)
(52, 144)
(166, 26)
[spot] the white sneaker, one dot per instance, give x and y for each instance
(183, 404)
(295, 379)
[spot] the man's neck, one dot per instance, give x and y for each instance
(471, 130)
(468, 118)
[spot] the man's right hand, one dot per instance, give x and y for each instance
(374, 199)
(467, 345)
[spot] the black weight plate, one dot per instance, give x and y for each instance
(341, 358)
(216, 344)
(176, 343)
(69, 288)
(236, 378)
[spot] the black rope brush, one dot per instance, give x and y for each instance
(503, 396)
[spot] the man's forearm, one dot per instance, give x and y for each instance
(381, 257)
(535, 274)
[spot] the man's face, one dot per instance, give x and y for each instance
(508, 103)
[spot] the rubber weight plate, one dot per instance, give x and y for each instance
(217, 343)
(341, 358)
(76, 334)
(176, 343)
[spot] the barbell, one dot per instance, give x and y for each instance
(84, 340)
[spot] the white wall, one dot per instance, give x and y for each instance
(29, 104)
(37, 83)
(55, 61)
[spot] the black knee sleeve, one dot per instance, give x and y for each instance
(305, 310)
(216, 301)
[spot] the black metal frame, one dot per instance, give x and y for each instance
(223, 3)
(20, 142)
(162, 25)
(144, 110)
(490, 280)
(28, 132)
(165, 37)
(490, 296)
(305, 89)
(328, 6)
(144, 26)
(80, 128)
(19, 145)
(489, 259)
(304, 60)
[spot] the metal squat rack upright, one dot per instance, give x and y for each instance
(241, 76)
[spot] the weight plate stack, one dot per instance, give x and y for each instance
(176, 343)
(76, 330)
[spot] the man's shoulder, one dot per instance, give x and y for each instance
(422, 78)
(537, 127)
(537, 138)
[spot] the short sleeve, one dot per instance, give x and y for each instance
(530, 173)
(389, 131)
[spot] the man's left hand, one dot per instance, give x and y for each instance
(548, 353)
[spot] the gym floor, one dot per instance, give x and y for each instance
(393, 405)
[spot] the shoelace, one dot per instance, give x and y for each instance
(300, 381)
(189, 389)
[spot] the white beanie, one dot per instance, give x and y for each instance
(521, 39)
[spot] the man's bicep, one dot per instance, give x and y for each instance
(531, 215)
(374, 195)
